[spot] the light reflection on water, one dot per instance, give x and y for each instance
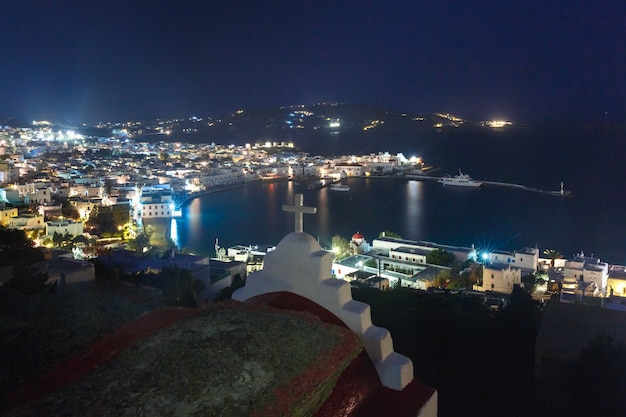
(506, 219)
(174, 231)
(253, 214)
(413, 205)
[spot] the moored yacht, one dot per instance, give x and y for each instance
(340, 187)
(462, 180)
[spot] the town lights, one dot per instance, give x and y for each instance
(485, 256)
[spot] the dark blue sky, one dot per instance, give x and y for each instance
(522, 60)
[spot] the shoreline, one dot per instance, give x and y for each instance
(217, 189)
(397, 177)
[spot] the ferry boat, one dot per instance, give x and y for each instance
(340, 187)
(462, 180)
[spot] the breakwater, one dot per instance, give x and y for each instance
(558, 193)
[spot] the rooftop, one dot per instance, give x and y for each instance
(258, 369)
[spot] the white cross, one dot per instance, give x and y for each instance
(299, 209)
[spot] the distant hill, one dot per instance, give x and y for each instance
(323, 128)
(287, 123)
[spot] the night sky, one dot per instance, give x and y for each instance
(112, 60)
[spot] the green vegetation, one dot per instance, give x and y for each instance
(371, 262)
(108, 187)
(69, 211)
(532, 281)
(140, 244)
(109, 221)
(600, 373)
(28, 280)
(341, 247)
(59, 240)
(459, 275)
(481, 365)
(15, 247)
(387, 233)
(227, 293)
(591, 385)
(440, 257)
(553, 255)
(178, 286)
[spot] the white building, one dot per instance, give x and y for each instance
(386, 244)
(25, 189)
(85, 191)
(585, 276)
(41, 195)
(155, 205)
(26, 222)
(252, 256)
(10, 195)
(380, 167)
(351, 169)
(407, 274)
(64, 227)
(222, 177)
(500, 277)
(84, 207)
(526, 259)
(313, 170)
(409, 254)
(8, 173)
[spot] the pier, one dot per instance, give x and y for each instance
(559, 193)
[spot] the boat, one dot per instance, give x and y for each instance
(340, 187)
(316, 185)
(462, 180)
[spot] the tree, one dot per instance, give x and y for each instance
(522, 314)
(440, 257)
(227, 293)
(69, 211)
(180, 288)
(27, 280)
(341, 247)
(387, 233)
(598, 378)
(139, 243)
(80, 240)
(93, 215)
(553, 255)
(531, 281)
(472, 276)
(371, 262)
(108, 186)
(443, 278)
(170, 244)
(15, 246)
(121, 215)
(57, 239)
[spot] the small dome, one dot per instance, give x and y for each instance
(358, 236)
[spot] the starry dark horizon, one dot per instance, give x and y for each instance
(523, 61)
